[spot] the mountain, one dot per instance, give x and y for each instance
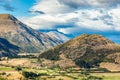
(87, 50)
(60, 37)
(28, 39)
(8, 49)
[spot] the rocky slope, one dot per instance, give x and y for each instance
(85, 50)
(28, 39)
(8, 49)
(58, 36)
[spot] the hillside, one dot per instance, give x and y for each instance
(8, 49)
(28, 39)
(58, 36)
(85, 50)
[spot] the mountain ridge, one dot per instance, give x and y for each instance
(28, 39)
(58, 36)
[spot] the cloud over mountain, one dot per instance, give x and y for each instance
(74, 16)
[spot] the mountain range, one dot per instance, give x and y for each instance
(26, 38)
(85, 51)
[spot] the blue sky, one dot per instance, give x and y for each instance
(71, 17)
(20, 7)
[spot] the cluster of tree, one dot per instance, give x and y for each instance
(92, 58)
(48, 55)
(30, 75)
(33, 75)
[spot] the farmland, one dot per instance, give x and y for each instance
(13, 69)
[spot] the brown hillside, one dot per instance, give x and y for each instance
(85, 50)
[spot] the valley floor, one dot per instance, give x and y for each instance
(13, 69)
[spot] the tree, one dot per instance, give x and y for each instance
(29, 75)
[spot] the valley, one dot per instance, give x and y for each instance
(27, 54)
(59, 39)
(20, 69)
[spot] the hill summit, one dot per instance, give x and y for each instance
(87, 50)
(6, 16)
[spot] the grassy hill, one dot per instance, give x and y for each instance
(85, 50)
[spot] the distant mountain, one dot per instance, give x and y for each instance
(85, 50)
(60, 37)
(28, 39)
(8, 49)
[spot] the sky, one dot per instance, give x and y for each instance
(71, 17)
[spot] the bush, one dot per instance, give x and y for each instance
(60, 79)
(103, 69)
(94, 78)
(43, 74)
(18, 68)
(109, 60)
(29, 75)
(3, 73)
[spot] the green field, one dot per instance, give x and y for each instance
(108, 76)
(55, 73)
(111, 78)
(6, 68)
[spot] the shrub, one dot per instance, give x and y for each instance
(3, 73)
(29, 75)
(94, 78)
(18, 68)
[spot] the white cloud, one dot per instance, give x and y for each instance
(91, 19)
(51, 7)
(115, 17)
(105, 20)
(94, 25)
(69, 30)
(88, 19)
(44, 21)
(48, 21)
(90, 3)
(67, 12)
(66, 6)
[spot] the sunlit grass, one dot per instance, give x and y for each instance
(6, 68)
(111, 78)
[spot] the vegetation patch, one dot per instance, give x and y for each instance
(6, 68)
(30, 75)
